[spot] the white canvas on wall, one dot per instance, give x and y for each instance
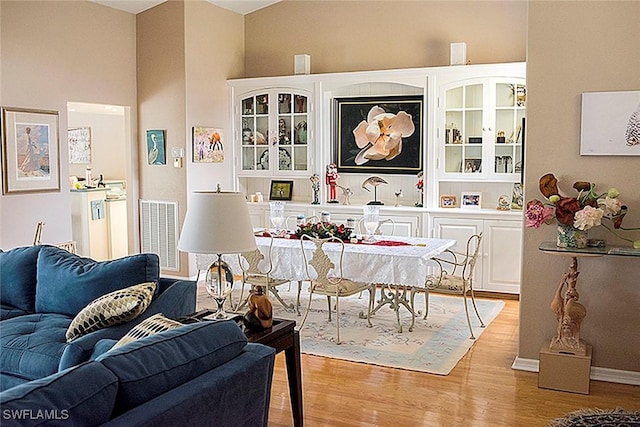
(610, 124)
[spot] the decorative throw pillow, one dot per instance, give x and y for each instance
(112, 309)
(151, 326)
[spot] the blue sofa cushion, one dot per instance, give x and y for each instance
(9, 311)
(31, 346)
(18, 277)
(153, 365)
(66, 283)
(79, 396)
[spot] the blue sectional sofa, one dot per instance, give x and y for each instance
(42, 289)
(201, 374)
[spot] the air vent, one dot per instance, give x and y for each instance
(159, 231)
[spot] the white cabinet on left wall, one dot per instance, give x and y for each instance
(272, 130)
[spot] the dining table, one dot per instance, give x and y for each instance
(398, 265)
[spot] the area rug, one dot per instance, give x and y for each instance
(434, 346)
(598, 418)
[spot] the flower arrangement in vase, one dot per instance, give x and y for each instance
(323, 230)
(578, 214)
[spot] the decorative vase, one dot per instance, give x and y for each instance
(571, 237)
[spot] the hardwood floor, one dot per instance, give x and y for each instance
(482, 390)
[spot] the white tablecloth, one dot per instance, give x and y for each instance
(405, 265)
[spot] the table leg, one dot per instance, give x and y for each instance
(294, 376)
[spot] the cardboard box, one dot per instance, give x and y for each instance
(564, 372)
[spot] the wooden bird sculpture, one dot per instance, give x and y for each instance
(374, 181)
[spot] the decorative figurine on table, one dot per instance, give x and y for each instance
(331, 179)
(315, 186)
(398, 195)
(420, 187)
(374, 181)
(260, 314)
(346, 194)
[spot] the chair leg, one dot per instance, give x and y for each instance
(372, 298)
(329, 305)
(466, 312)
(298, 297)
(337, 318)
(306, 314)
(473, 301)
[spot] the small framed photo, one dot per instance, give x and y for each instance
(448, 201)
(471, 200)
(281, 190)
(156, 147)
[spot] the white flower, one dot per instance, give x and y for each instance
(587, 218)
(380, 137)
(610, 206)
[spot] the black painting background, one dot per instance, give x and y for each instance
(349, 112)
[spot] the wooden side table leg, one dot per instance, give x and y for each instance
(294, 375)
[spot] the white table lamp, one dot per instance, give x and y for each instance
(217, 223)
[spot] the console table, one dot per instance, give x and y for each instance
(567, 309)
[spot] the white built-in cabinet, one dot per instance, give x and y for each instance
(480, 128)
(283, 128)
(272, 130)
(498, 268)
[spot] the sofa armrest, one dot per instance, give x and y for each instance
(178, 298)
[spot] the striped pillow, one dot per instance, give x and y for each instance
(151, 326)
(112, 309)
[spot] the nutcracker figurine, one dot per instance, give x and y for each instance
(315, 186)
(331, 179)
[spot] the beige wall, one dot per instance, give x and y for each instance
(375, 35)
(53, 53)
(576, 47)
(186, 52)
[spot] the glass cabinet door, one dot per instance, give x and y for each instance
(274, 134)
(510, 108)
(292, 132)
(464, 116)
(255, 132)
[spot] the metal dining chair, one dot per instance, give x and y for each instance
(329, 280)
(454, 275)
(253, 275)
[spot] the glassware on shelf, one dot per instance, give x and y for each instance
(371, 221)
(277, 216)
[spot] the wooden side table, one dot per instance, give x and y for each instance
(282, 336)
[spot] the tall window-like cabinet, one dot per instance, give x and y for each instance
(274, 132)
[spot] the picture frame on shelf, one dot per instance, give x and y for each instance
(471, 200)
(517, 197)
(610, 124)
(281, 190)
(448, 201)
(80, 145)
(353, 113)
(30, 150)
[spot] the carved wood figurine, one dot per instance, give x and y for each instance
(260, 314)
(569, 313)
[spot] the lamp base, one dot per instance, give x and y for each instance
(219, 282)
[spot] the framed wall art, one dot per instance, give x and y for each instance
(448, 201)
(80, 145)
(156, 154)
(30, 150)
(281, 190)
(380, 134)
(471, 200)
(610, 124)
(207, 145)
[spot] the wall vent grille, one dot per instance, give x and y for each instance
(159, 231)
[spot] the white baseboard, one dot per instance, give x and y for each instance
(597, 374)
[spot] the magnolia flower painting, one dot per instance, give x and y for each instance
(380, 136)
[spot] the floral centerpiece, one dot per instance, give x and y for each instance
(323, 230)
(576, 215)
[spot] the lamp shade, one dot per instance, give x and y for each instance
(217, 223)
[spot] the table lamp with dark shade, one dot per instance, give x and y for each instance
(217, 223)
